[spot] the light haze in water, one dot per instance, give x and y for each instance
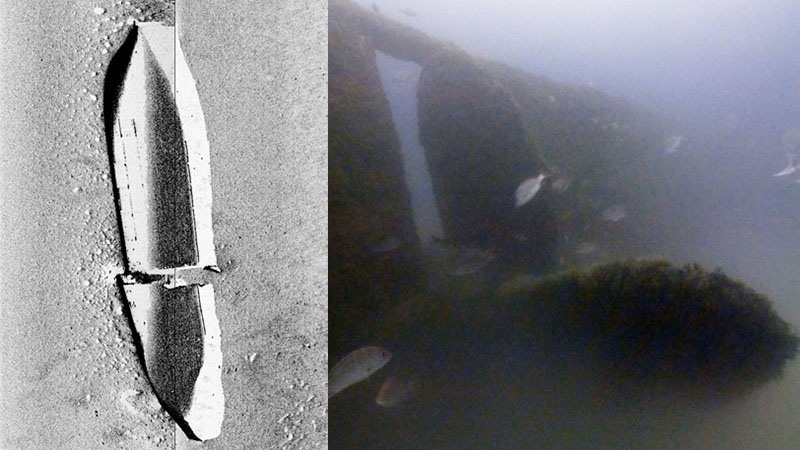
(727, 74)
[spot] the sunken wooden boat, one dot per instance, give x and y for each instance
(162, 182)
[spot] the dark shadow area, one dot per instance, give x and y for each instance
(176, 336)
(569, 362)
(172, 224)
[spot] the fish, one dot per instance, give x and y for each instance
(357, 366)
(395, 391)
(528, 189)
(463, 257)
(519, 237)
(790, 168)
(562, 183)
(672, 143)
(389, 244)
(614, 213)
(451, 245)
(471, 261)
(585, 248)
(518, 284)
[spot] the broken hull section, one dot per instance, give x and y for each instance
(162, 182)
(160, 155)
(180, 337)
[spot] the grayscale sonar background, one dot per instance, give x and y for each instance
(70, 377)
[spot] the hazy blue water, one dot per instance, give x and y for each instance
(400, 79)
(722, 65)
(728, 73)
(712, 58)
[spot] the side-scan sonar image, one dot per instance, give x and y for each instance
(163, 225)
(161, 175)
(564, 225)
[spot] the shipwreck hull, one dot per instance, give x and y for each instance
(160, 156)
(162, 183)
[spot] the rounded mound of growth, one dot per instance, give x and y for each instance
(651, 321)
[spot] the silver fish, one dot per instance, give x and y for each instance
(672, 143)
(791, 167)
(614, 213)
(395, 391)
(357, 366)
(585, 248)
(528, 189)
(562, 183)
(519, 237)
(389, 244)
(471, 260)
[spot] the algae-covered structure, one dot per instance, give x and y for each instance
(637, 326)
(485, 129)
(654, 322)
(478, 152)
(596, 352)
(374, 253)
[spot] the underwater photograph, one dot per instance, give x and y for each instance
(563, 225)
